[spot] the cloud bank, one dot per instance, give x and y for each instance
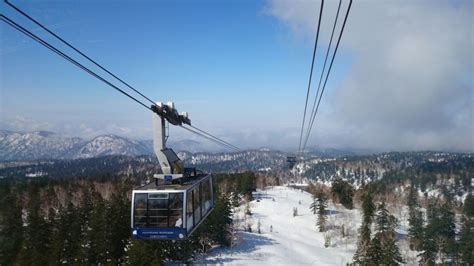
(410, 81)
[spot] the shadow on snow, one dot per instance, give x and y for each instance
(249, 243)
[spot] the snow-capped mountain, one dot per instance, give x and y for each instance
(48, 145)
(36, 145)
(111, 144)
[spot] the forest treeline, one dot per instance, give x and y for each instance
(438, 231)
(86, 220)
(424, 170)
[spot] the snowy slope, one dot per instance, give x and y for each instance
(293, 240)
(48, 145)
(35, 145)
(110, 144)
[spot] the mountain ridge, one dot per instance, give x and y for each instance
(37, 145)
(41, 145)
(34, 145)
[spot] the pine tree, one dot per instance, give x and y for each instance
(344, 192)
(146, 252)
(37, 231)
(314, 204)
(363, 243)
(415, 220)
(322, 204)
(391, 253)
(447, 234)
(56, 241)
(85, 210)
(368, 208)
(466, 236)
(439, 233)
(217, 225)
(57, 235)
(235, 199)
(415, 231)
(429, 248)
(70, 225)
(412, 201)
(374, 253)
(117, 227)
(97, 232)
(384, 236)
(11, 227)
(428, 251)
(468, 208)
(183, 251)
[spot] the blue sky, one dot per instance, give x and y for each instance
(240, 69)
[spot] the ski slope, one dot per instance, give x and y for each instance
(292, 240)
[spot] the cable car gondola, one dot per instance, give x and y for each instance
(171, 211)
(291, 160)
(180, 199)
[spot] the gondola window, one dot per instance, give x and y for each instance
(197, 205)
(140, 210)
(175, 210)
(206, 196)
(189, 211)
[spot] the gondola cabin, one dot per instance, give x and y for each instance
(171, 211)
(180, 199)
(291, 160)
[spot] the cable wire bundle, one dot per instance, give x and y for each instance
(317, 100)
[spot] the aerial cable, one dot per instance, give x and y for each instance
(204, 132)
(330, 65)
(66, 57)
(52, 48)
(77, 50)
(313, 115)
(327, 75)
(219, 141)
(311, 73)
(209, 138)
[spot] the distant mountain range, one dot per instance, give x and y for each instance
(48, 145)
(37, 145)
(40, 153)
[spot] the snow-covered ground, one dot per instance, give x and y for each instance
(288, 240)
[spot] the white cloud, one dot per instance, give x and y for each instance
(410, 82)
(20, 123)
(80, 129)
